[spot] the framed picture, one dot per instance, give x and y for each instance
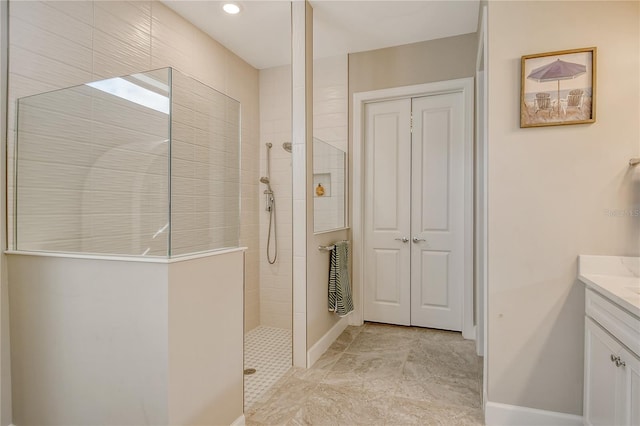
(558, 88)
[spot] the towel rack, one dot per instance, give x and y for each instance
(634, 161)
(328, 248)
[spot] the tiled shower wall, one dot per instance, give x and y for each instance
(275, 127)
(57, 44)
(330, 103)
(330, 124)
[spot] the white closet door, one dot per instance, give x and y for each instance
(437, 214)
(387, 209)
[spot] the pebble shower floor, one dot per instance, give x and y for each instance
(268, 350)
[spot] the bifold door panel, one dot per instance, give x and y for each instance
(387, 207)
(437, 217)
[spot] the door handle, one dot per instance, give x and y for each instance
(417, 240)
(403, 239)
(619, 362)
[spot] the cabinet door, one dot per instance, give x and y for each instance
(602, 380)
(631, 370)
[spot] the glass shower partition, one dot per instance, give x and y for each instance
(141, 165)
(125, 256)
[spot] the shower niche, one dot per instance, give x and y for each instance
(125, 271)
(329, 202)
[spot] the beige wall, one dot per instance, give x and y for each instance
(330, 104)
(205, 379)
(89, 342)
(5, 355)
(60, 44)
(126, 343)
(549, 193)
(425, 62)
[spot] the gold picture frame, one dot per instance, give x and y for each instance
(558, 88)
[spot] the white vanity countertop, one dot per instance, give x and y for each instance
(615, 277)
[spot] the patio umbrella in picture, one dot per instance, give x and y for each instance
(557, 70)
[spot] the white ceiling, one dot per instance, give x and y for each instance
(260, 34)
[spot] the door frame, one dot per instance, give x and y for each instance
(482, 163)
(466, 87)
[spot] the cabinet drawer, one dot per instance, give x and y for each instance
(620, 323)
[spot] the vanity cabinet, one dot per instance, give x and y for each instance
(612, 369)
(612, 380)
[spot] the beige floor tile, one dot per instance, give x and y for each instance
(321, 368)
(441, 390)
(284, 403)
(382, 375)
(346, 338)
(347, 379)
(447, 359)
(370, 365)
(333, 405)
(274, 389)
(381, 344)
(327, 360)
(402, 411)
(387, 386)
(311, 375)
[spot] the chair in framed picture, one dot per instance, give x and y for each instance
(574, 100)
(543, 103)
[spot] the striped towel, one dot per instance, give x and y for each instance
(340, 300)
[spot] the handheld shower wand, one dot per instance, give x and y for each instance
(266, 181)
(270, 203)
(268, 192)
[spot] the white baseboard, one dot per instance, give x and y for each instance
(496, 414)
(315, 352)
(240, 421)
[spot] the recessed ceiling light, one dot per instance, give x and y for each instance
(231, 8)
